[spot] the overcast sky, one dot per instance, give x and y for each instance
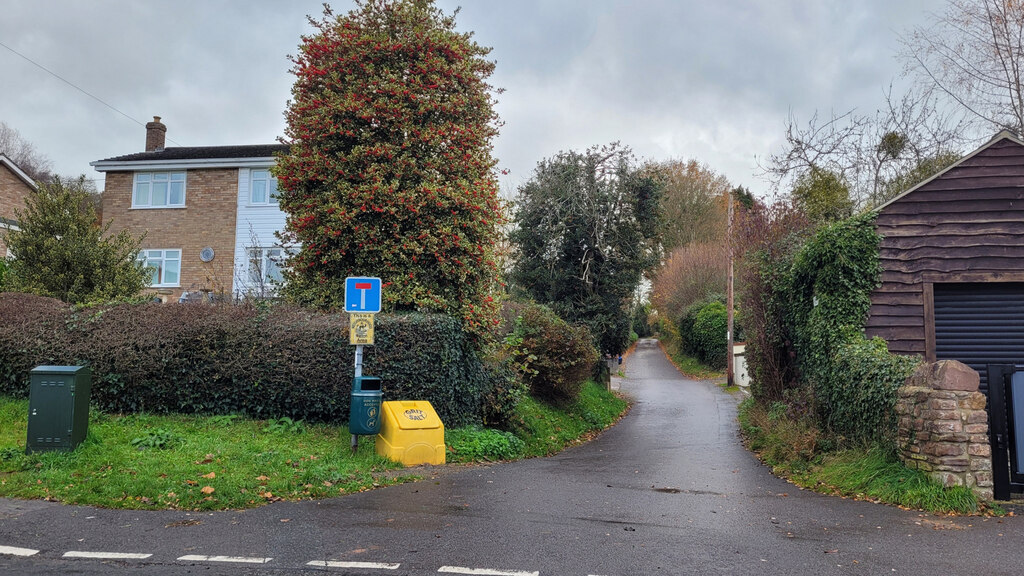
(713, 81)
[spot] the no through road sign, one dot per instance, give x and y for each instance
(362, 294)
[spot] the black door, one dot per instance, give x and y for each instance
(980, 324)
(1006, 428)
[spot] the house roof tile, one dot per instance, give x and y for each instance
(203, 153)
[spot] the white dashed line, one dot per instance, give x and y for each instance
(106, 555)
(238, 559)
(339, 564)
(13, 551)
(485, 571)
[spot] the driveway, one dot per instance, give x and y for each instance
(669, 490)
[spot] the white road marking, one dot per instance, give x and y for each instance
(239, 559)
(107, 555)
(339, 564)
(13, 551)
(485, 571)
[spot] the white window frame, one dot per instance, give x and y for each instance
(143, 187)
(269, 187)
(166, 255)
(265, 257)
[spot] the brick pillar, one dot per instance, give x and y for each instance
(156, 132)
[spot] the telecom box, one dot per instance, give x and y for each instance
(58, 407)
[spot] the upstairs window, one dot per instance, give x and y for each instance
(263, 189)
(164, 266)
(159, 190)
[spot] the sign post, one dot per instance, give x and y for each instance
(362, 301)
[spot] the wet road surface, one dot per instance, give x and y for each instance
(669, 490)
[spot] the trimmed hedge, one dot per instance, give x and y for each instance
(264, 362)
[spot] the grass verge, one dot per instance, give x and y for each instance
(187, 462)
(791, 446)
(227, 462)
(538, 428)
(690, 366)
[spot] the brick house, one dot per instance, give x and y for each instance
(208, 213)
(15, 186)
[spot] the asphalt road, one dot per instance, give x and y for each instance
(669, 490)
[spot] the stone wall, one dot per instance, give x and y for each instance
(943, 426)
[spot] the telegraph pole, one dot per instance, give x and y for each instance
(729, 296)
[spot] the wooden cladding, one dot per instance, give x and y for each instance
(967, 225)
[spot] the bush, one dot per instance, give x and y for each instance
(555, 358)
(710, 334)
(487, 444)
(3, 272)
(857, 391)
(265, 362)
(703, 331)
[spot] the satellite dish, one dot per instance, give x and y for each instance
(206, 254)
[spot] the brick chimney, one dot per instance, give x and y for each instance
(155, 134)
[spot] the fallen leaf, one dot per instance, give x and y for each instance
(832, 551)
(210, 475)
(191, 482)
(262, 478)
(286, 519)
(207, 490)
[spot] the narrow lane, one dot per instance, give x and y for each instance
(669, 490)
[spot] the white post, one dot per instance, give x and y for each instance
(358, 372)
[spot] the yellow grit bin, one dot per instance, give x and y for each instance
(411, 433)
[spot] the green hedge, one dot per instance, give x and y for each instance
(265, 362)
(703, 331)
(555, 358)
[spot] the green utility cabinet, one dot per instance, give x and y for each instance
(58, 407)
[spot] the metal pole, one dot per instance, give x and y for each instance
(358, 372)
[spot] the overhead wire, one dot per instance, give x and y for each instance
(76, 87)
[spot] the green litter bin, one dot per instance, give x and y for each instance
(58, 407)
(364, 412)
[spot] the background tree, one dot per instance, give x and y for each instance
(586, 230)
(868, 151)
(973, 54)
(822, 195)
(23, 153)
(692, 202)
(925, 169)
(691, 274)
(390, 170)
(60, 250)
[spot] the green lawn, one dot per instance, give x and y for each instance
(227, 462)
(188, 462)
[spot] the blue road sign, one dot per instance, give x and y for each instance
(362, 295)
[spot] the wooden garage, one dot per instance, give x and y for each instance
(952, 255)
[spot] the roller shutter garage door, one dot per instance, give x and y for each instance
(980, 324)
